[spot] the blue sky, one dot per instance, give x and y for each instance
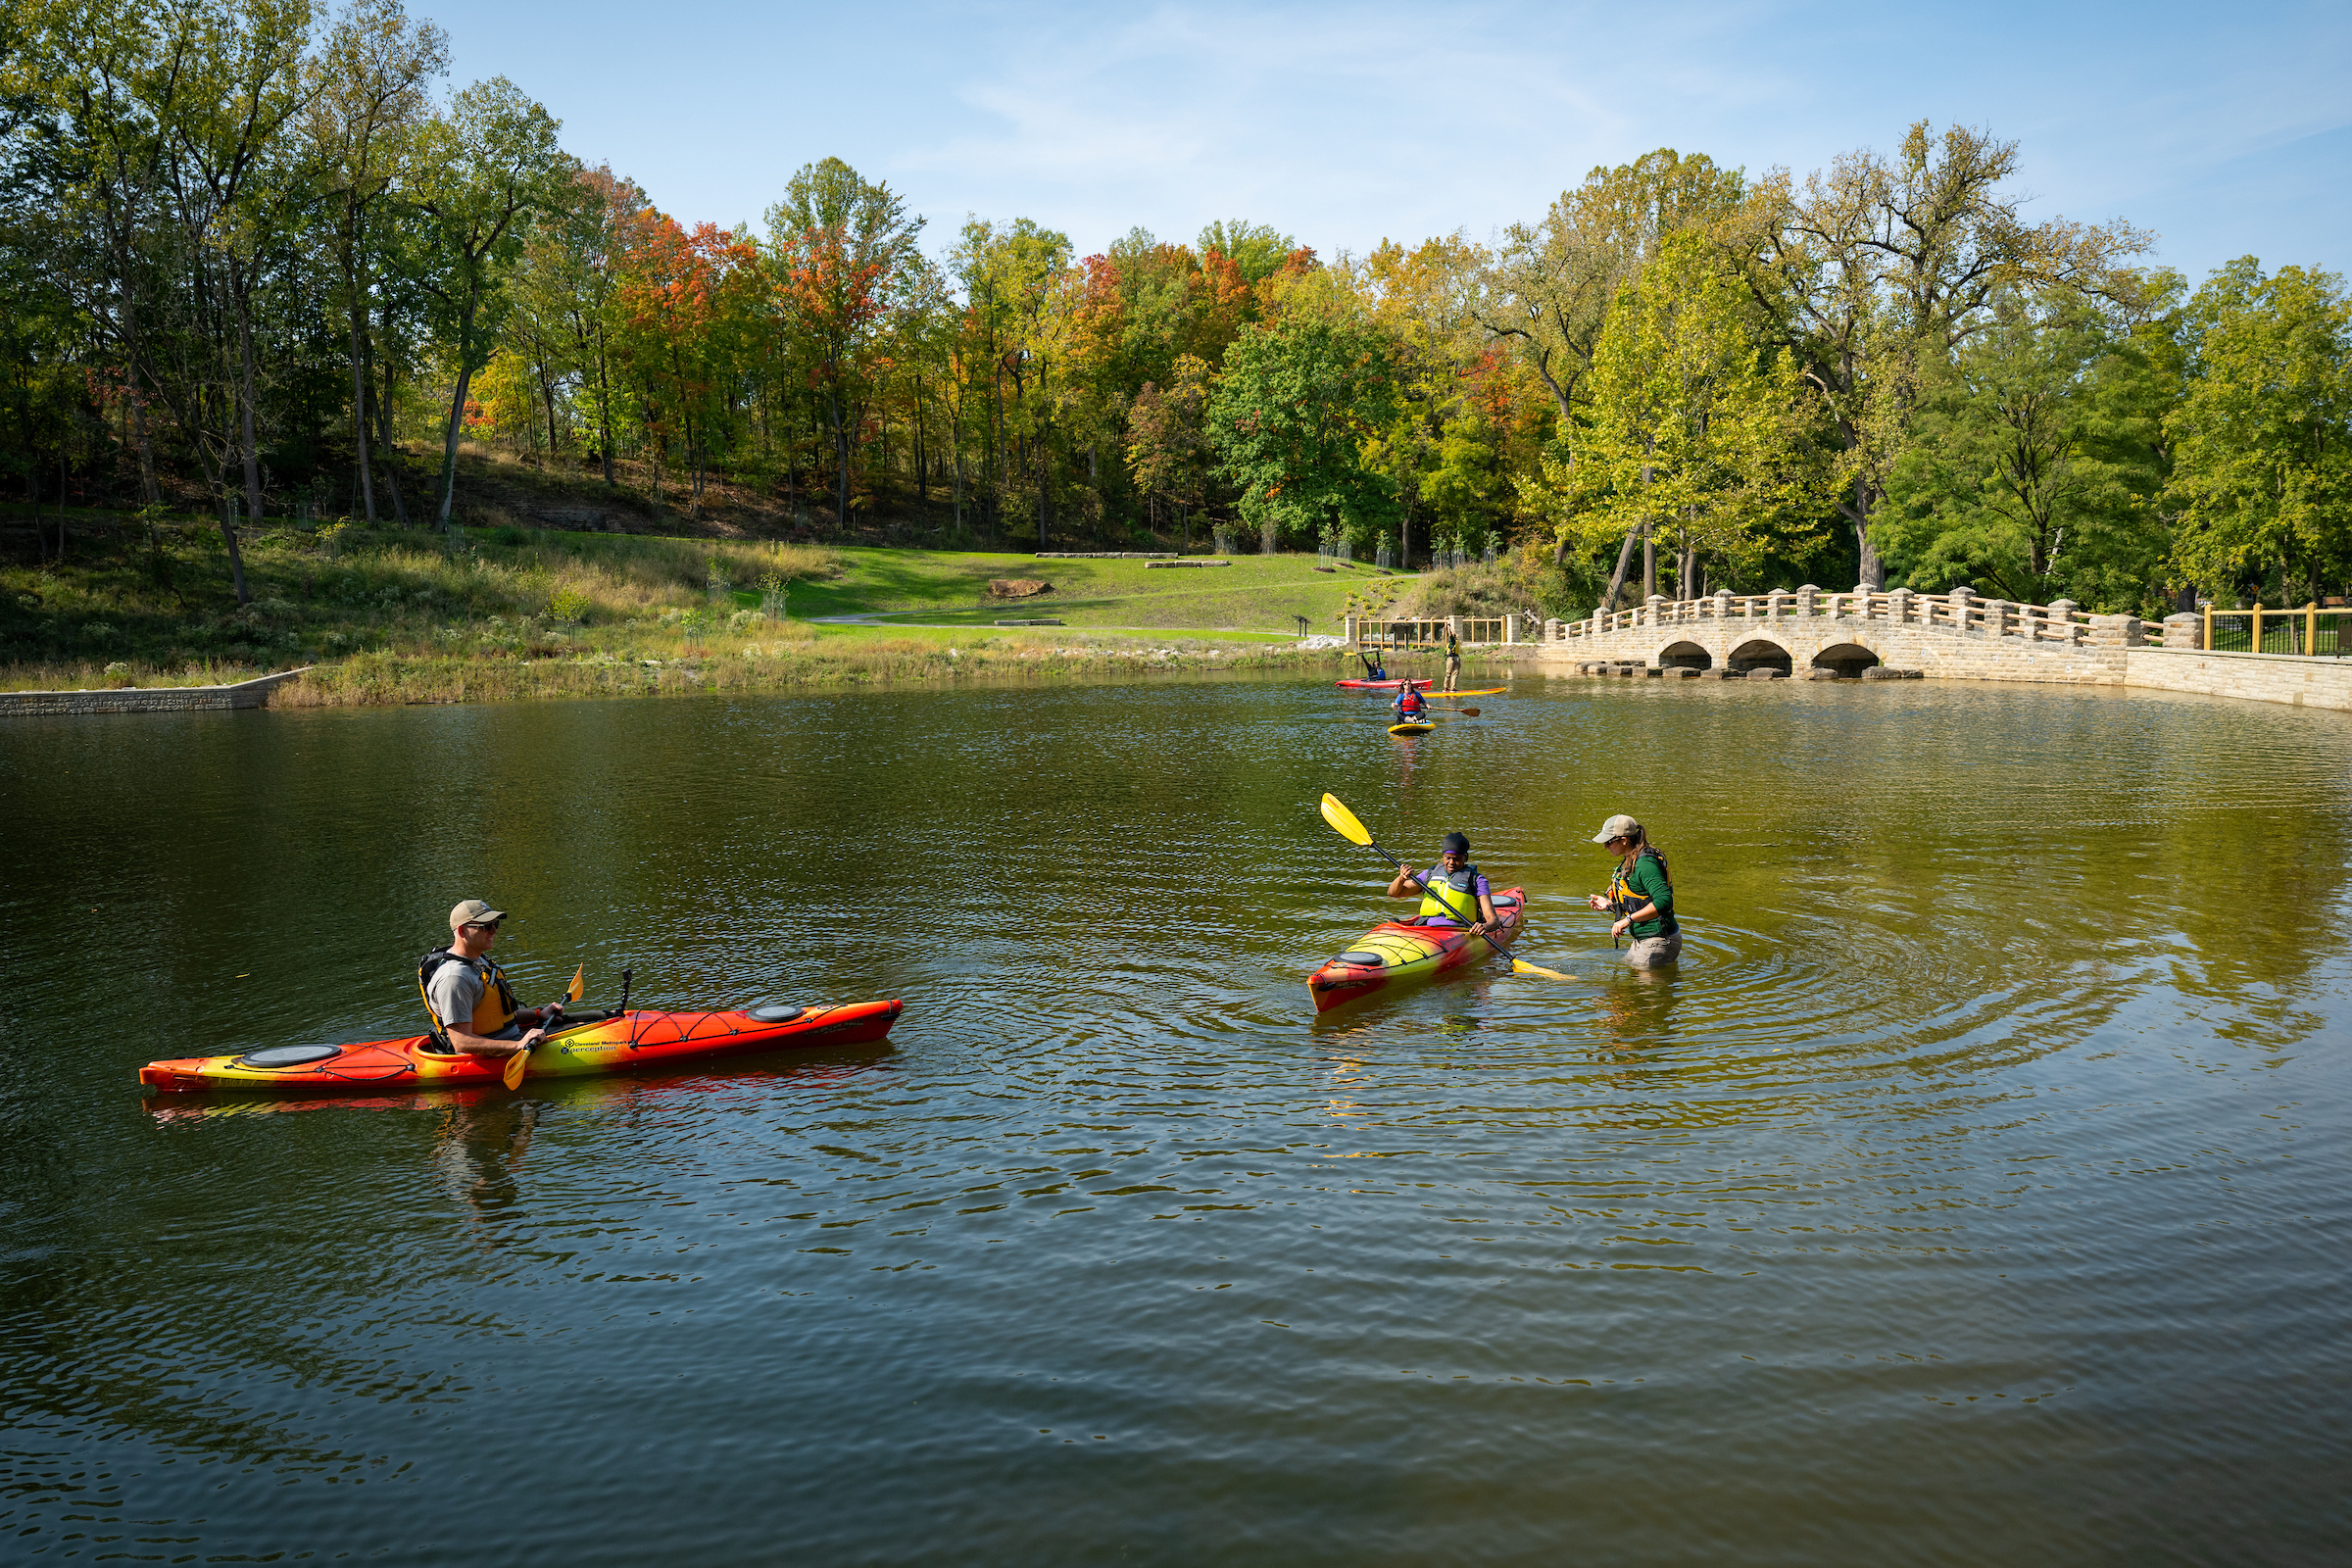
(2228, 130)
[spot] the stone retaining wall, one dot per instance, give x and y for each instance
(2258, 678)
(147, 699)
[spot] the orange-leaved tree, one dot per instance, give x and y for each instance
(842, 249)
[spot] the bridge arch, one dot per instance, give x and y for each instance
(1760, 653)
(1848, 660)
(1684, 655)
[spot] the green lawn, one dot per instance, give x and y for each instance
(1261, 594)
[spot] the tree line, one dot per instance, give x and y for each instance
(252, 252)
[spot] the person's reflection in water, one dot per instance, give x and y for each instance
(479, 1150)
(1635, 1015)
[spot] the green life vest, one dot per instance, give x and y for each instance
(1460, 902)
(1624, 899)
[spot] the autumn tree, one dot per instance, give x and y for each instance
(843, 247)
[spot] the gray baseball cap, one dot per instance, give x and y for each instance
(1617, 827)
(473, 912)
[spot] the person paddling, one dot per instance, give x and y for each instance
(1453, 892)
(1454, 658)
(1412, 706)
(1373, 669)
(472, 1008)
(1641, 895)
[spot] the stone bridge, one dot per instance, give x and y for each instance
(1849, 635)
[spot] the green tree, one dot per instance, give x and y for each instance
(2034, 465)
(490, 166)
(1879, 270)
(1695, 434)
(367, 98)
(1299, 398)
(2262, 472)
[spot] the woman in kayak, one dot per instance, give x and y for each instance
(1641, 895)
(1453, 892)
(1373, 669)
(1412, 706)
(467, 997)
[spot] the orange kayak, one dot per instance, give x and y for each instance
(633, 1042)
(1392, 953)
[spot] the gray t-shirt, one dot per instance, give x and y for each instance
(454, 990)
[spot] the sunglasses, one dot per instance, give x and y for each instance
(482, 925)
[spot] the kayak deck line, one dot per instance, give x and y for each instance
(1394, 952)
(634, 1040)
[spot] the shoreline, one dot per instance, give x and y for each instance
(393, 679)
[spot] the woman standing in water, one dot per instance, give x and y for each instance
(1641, 895)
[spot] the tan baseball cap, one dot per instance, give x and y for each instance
(473, 912)
(1617, 827)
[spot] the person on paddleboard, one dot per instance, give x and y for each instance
(1641, 895)
(1454, 660)
(1453, 892)
(472, 1008)
(1412, 706)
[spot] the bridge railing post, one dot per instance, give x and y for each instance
(1898, 606)
(2063, 613)
(1805, 598)
(1959, 598)
(2184, 631)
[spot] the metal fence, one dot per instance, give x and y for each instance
(2311, 631)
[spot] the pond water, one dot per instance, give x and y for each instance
(1977, 1190)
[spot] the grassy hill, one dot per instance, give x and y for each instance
(520, 612)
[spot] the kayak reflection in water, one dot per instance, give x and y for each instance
(1641, 895)
(1453, 892)
(473, 1010)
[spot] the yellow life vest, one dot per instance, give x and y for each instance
(1460, 902)
(495, 1009)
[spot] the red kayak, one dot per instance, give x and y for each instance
(629, 1041)
(1396, 950)
(1381, 685)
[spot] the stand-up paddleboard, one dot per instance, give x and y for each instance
(1482, 691)
(1412, 727)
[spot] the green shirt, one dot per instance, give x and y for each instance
(1645, 884)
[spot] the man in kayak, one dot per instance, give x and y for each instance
(1453, 892)
(474, 1009)
(1412, 706)
(1373, 669)
(1641, 895)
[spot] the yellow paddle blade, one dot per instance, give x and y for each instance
(1344, 823)
(579, 984)
(1522, 967)
(514, 1065)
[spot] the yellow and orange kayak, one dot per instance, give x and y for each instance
(1396, 951)
(632, 1041)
